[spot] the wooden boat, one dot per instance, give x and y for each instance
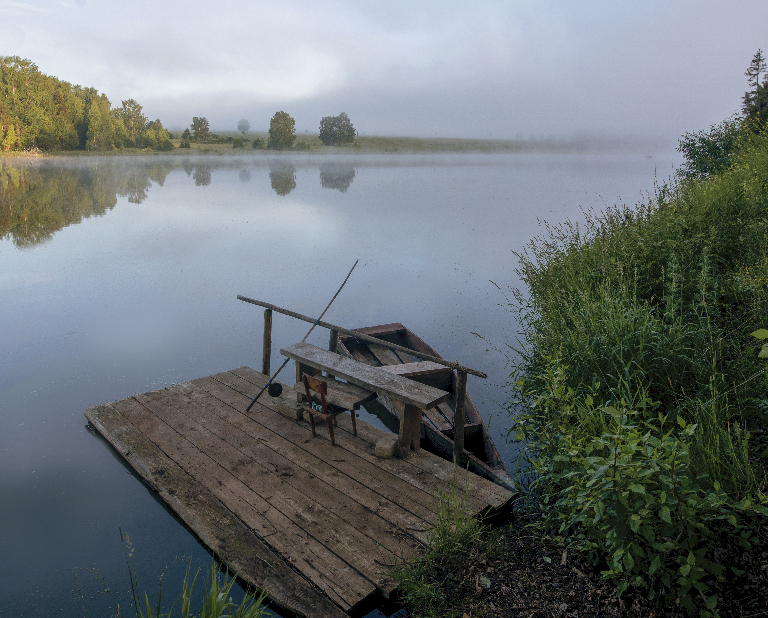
(437, 422)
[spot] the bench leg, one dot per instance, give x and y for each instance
(354, 425)
(330, 431)
(410, 429)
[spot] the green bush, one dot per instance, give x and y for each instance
(165, 145)
(184, 143)
(638, 352)
(259, 143)
(237, 143)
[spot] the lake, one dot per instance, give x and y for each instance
(119, 275)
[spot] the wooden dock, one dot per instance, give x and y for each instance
(317, 526)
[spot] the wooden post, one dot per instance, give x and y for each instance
(267, 352)
(333, 342)
(333, 346)
(458, 419)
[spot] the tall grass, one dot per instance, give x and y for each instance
(216, 603)
(649, 310)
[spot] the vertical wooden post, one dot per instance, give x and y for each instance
(333, 346)
(267, 351)
(458, 419)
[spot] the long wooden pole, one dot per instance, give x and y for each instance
(363, 336)
(316, 322)
(266, 354)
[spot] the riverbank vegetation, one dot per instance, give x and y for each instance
(641, 395)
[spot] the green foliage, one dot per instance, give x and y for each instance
(712, 151)
(237, 143)
(453, 533)
(184, 143)
(258, 143)
(200, 129)
(337, 130)
(282, 131)
(51, 114)
(638, 356)
(627, 491)
(217, 602)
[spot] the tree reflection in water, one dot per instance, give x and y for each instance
(202, 175)
(282, 175)
(337, 176)
(245, 175)
(37, 200)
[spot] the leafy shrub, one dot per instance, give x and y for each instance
(184, 143)
(638, 356)
(237, 143)
(165, 145)
(259, 143)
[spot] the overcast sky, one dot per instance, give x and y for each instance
(513, 68)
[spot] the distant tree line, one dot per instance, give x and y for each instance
(44, 112)
(39, 111)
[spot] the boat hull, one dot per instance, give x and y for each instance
(437, 423)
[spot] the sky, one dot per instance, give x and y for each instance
(533, 69)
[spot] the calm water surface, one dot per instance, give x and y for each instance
(119, 276)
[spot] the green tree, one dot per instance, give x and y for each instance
(200, 128)
(337, 130)
(282, 131)
(755, 100)
(9, 142)
(155, 134)
(243, 126)
(134, 120)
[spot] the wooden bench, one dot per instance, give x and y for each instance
(412, 396)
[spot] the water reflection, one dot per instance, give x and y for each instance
(202, 175)
(38, 200)
(245, 175)
(337, 176)
(282, 175)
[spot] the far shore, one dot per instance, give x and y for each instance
(364, 144)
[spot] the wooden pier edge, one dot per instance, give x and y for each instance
(214, 524)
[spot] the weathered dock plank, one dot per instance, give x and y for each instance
(316, 525)
(213, 522)
(423, 470)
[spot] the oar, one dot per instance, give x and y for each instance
(266, 386)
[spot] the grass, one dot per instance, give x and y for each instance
(453, 533)
(216, 603)
(641, 382)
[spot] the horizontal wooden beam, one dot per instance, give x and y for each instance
(362, 336)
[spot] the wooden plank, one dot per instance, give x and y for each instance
(315, 473)
(372, 378)
(315, 508)
(422, 470)
(415, 369)
(322, 567)
(494, 494)
(385, 355)
(291, 442)
(350, 457)
(228, 537)
(342, 394)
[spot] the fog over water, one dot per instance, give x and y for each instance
(120, 276)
